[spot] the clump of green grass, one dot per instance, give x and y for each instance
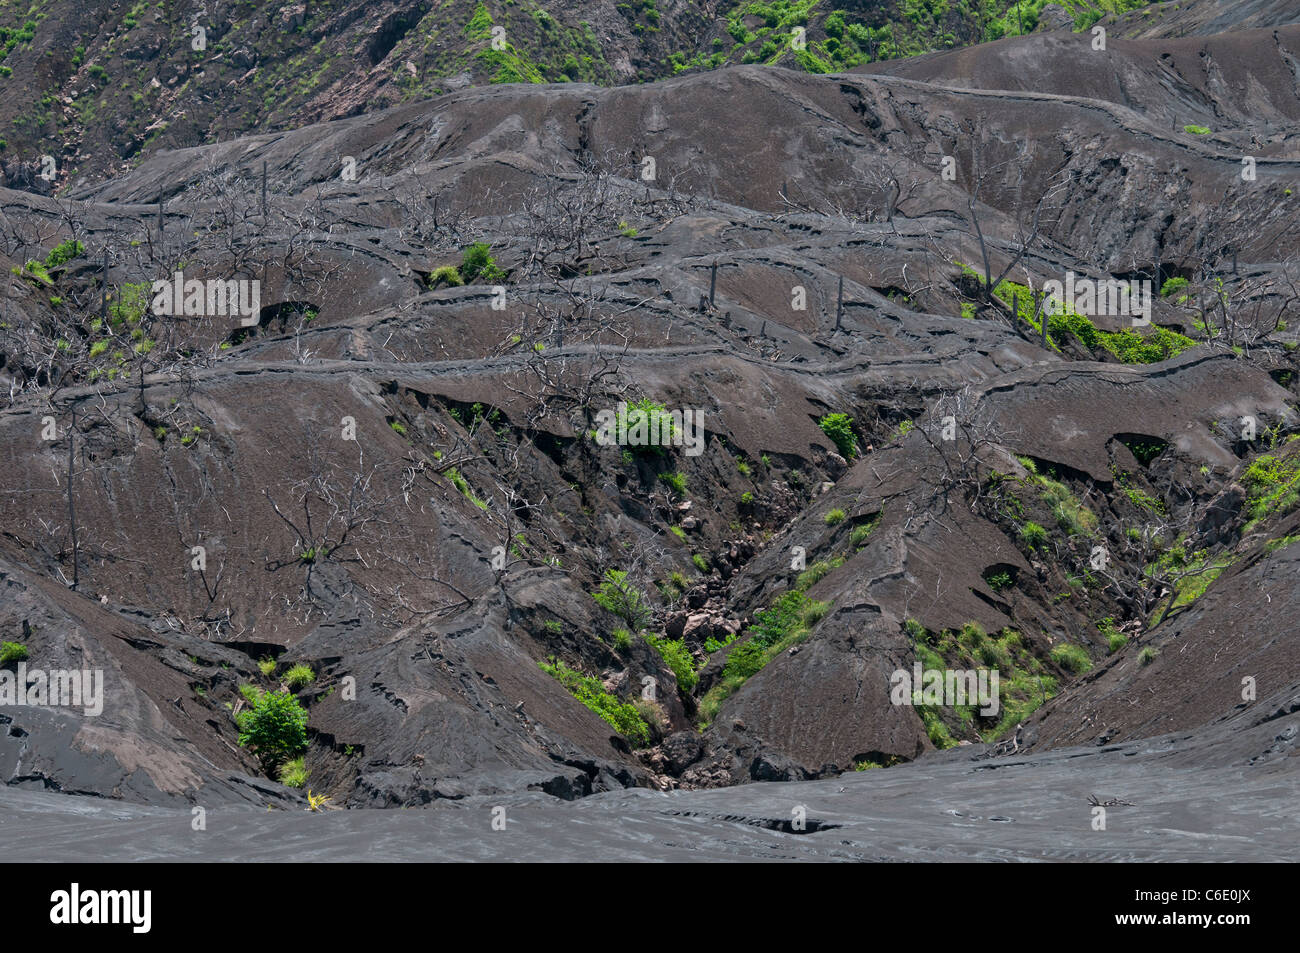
(299, 675)
(1147, 656)
(266, 665)
(1072, 658)
(788, 622)
(835, 517)
(676, 481)
(11, 652)
(622, 716)
(1033, 535)
(447, 276)
(1115, 639)
(1272, 485)
(293, 774)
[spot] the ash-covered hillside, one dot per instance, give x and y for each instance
(380, 484)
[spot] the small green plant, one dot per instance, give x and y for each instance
(701, 562)
(275, 726)
(747, 498)
(293, 774)
(998, 581)
(678, 658)
(398, 428)
(834, 517)
(1115, 639)
(675, 480)
(12, 652)
(622, 716)
(448, 276)
(1196, 130)
(839, 428)
(477, 262)
(1072, 658)
(742, 467)
(615, 594)
(1147, 656)
(266, 665)
(298, 676)
(1172, 287)
(623, 640)
(1033, 535)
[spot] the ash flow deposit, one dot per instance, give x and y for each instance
(726, 431)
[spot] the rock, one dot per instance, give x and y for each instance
(681, 750)
(836, 465)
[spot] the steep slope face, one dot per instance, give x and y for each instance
(392, 476)
(1240, 87)
(1205, 17)
(95, 86)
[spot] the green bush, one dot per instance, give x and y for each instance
(65, 252)
(654, 418)
(1172, 286)
(623, 717)
(678, 658)
(701, 562)
(477, 262)
(276, 727)
(835, 517)
(266, 665)
(12, 652)
(624, 600)
(839, 428)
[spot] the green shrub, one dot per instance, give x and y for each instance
(622, 640)
(678, 658)
(478, 262)
(266, 665)
(624, 600)
(298, 676)
(623, 717)
(12, 652)
(276, 727)
(839, 428)
(835, 517)
(701, 562)
(1172, 286)
(654, 419)
(64, 252)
